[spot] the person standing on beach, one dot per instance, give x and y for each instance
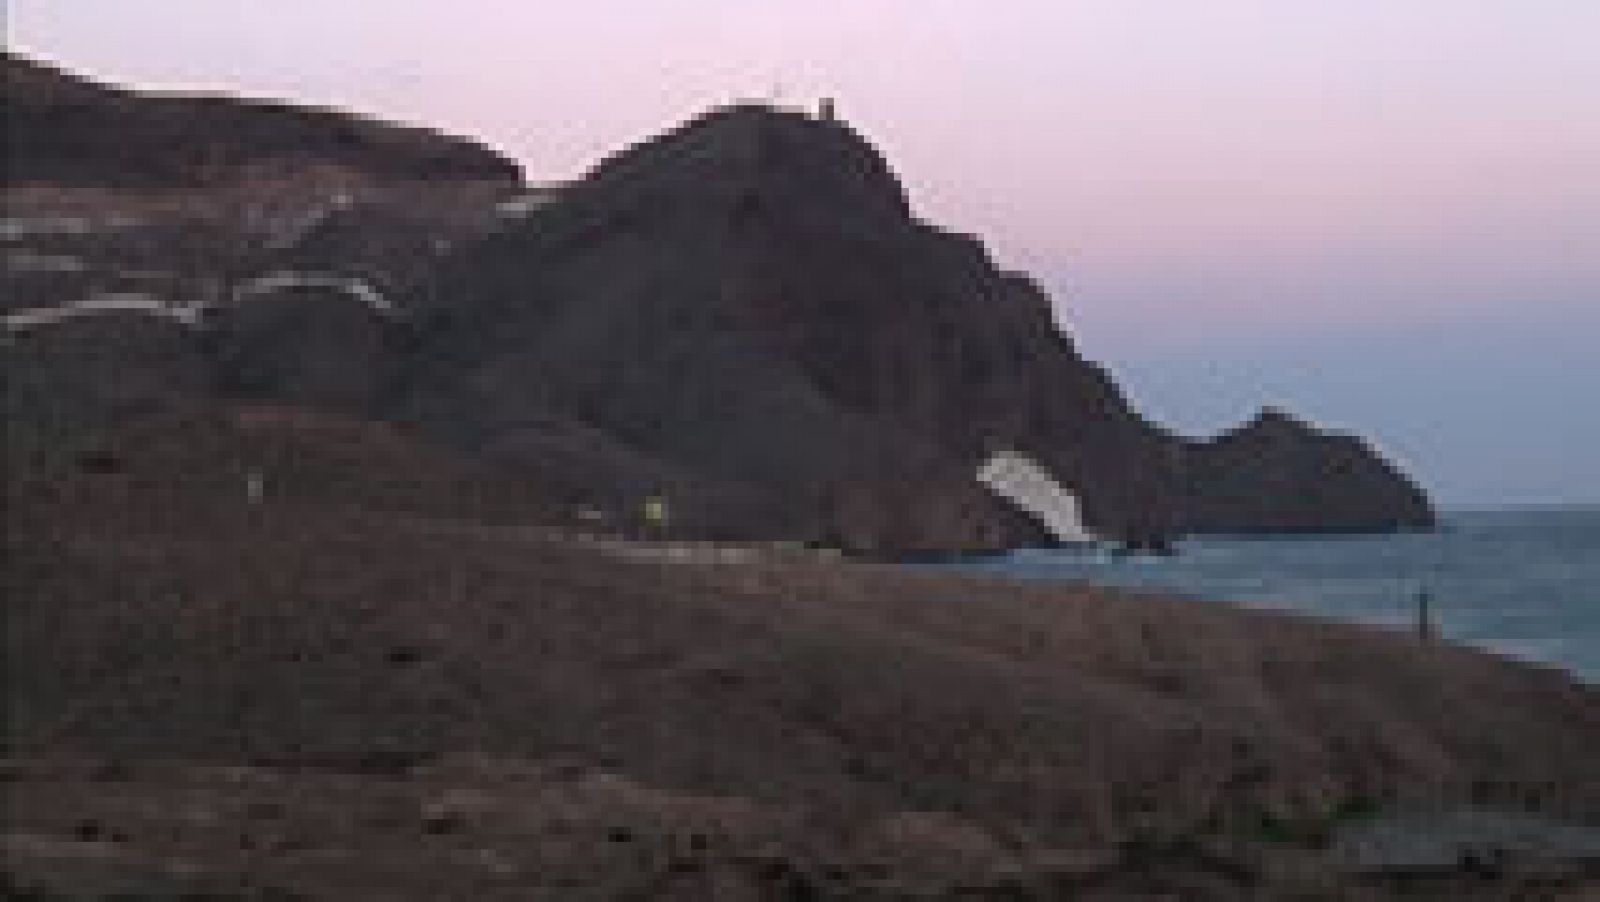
(1425, 630)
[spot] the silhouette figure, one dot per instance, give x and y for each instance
(1425, 630)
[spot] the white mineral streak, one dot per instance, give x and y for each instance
(280, 281)
(1031, 488)
(23, 320)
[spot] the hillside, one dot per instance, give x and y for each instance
(743, 315)
(57, 126)
(356, 692)
(750, 295)
(185, 199)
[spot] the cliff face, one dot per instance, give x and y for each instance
(750, 295)
(63, 129)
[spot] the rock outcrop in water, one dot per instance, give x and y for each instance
(1278, 474)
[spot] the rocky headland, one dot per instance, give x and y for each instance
(742, 314)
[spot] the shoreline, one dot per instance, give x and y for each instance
(1529, 605)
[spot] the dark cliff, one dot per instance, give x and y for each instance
(747, 296)
(744, 314)
(750, 295)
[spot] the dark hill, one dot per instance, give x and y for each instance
(743, 314)
(750, 295)
(64, 129)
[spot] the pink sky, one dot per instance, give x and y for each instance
(1182, 175)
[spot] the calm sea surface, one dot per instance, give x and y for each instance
(1520, 582)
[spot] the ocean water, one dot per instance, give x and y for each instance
(1523, 582)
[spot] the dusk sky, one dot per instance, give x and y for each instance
(1383, 215)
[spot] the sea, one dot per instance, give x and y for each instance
(1520, 582)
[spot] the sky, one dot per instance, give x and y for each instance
(1383, 215)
